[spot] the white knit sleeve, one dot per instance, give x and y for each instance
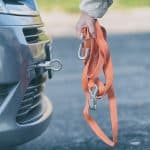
(95, 8)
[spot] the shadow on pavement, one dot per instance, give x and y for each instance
(15, 148)
(68, 130)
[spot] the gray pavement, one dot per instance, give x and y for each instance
(68, 130)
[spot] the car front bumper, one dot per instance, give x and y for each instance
(24, 110)
(16, 134)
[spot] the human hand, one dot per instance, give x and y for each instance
(86, 21)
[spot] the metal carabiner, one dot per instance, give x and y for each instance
(93, 98)
(80, 56)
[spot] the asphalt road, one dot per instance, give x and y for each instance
(68, 130)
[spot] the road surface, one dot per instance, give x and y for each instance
(68, 130)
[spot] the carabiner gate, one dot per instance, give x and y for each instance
(80, 56)
(93, 98)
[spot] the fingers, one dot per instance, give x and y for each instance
(80, 25)
(78, 28)
(86, 21)
(92, 29)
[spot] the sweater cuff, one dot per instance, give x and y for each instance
(95, 8)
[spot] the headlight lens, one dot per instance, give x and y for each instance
(2, 7)
(18, 7)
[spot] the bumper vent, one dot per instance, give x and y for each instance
(4, 91)
(34, 35)
(30, 109)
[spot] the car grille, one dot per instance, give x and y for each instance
(34, 34)
(30, 109)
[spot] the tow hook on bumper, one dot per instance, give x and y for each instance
(49, 64)
(54, 65)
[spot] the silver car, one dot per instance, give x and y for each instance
(25, 64)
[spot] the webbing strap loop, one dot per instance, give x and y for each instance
(99, 61)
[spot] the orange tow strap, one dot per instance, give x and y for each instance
(97, 61)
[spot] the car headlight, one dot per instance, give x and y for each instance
(18, 7)
(2, 7)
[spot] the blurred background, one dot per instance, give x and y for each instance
(72, 5)
(128, 26)
(124, 16)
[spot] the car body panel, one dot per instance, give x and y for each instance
(25, 111)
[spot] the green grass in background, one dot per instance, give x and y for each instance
(73, 5)
(66, 5)
(131, 3)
